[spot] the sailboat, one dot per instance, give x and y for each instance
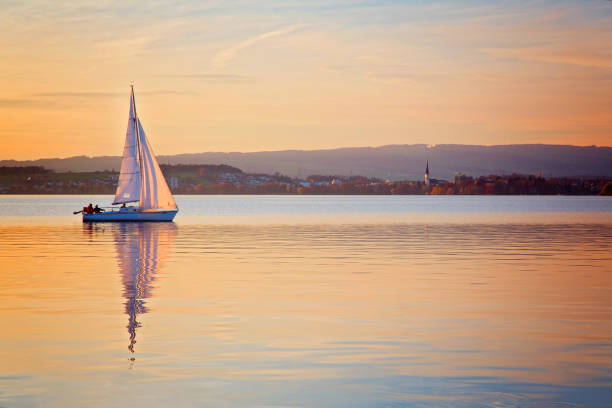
(140, 181)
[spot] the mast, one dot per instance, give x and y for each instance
(137, 132)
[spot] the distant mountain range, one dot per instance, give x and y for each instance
(395, 162)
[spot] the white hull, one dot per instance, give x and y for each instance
(131, 215)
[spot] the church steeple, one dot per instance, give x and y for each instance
(427, 174)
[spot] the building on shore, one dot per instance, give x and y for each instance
(427, 174)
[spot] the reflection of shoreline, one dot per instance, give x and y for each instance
(141, 250)
(413, 218)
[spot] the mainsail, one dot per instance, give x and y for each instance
(141, 179)
(128, 189)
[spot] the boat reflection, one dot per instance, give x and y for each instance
(142, 248)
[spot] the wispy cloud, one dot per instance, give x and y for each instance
(222, 58)
(21, 103)
(106, 94)
(225, 78)
(572, 56)
(80, 94)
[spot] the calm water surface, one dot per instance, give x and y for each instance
(309, 302)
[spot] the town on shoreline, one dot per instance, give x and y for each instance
(224, 179)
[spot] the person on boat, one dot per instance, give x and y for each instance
(97, 209)
(123, 208)
(90, 209)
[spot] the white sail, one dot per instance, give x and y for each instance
(154, 191)
(128, 188)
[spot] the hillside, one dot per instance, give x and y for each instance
(394, 162)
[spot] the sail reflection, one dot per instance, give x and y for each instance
(142, 249)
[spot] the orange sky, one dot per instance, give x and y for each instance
(235, 76)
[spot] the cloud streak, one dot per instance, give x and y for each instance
(570, 56)
(106, 94)
(21, 103)
(224, 57)
(224, 78)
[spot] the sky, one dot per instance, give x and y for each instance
(272, 75)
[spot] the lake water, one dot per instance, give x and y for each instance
(318, 301)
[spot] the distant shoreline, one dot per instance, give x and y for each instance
(228, 180)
